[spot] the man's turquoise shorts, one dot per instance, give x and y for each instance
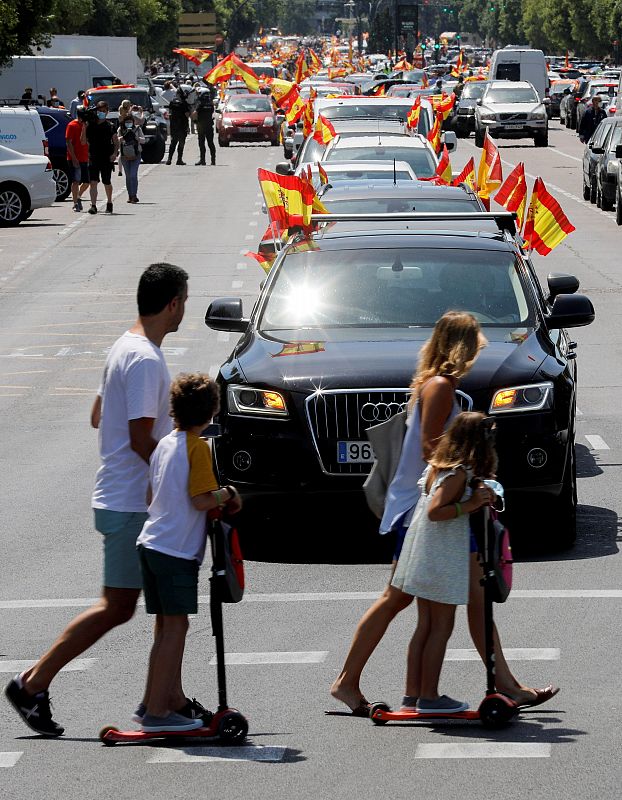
(120, 530)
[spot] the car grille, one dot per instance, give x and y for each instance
(513, 117)
(345, 415)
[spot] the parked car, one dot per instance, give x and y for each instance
(556, 93)
(511, 110)
(21, 129)
(600, 164)
(607, 91)
(26, 183)
(330, 346)
(55, 121)
(247, 118)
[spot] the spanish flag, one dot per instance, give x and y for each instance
(316, 63)
(336, 72)
(324, 130)
(287, 97)
(546, 225)
(460, 67)
(444, 104)
(265, 260)
(379, 91)
(403, 65)
(302, 68)
(244, 72)
(196, 56)
(308, 118)
(467, 175)
(221, 73)
(434, 134)
(443, 169)
(513, 194)
(322, 174)
(425, 81)
(412, 118)
(289, 199)
(489, 173)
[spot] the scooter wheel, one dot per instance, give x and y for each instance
(232, 728)
(378, 707)
(102, 735)
(495, 712)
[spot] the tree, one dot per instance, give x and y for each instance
(24, 24)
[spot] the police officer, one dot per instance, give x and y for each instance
(204, 116)
(179, 110)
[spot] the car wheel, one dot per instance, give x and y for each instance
(599, 195)
(223, 142)
(155, 152)
(541, 139)
(593, 191)
(63, 183)
(479, 138)
(605, 203)
(586, 191)
(563, 516)
(13, 205)
(618, 209)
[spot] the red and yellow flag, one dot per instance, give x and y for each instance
(460, 67)
(302, 68)
(425, 82)
(443, 168)
(284, 199)
(467, 175)
(444, 104)
(265, 260)
(489, 172)
(379, 91)
(308, 118)
(324, 130)
(434, 134)
(546, 225)
(287, 97)
(412, 118)
(315, 61)
(221, 73)
(244, 72)
(195, 55)
(322, 174)
(403, 65)
(336, 72)
(513, 194)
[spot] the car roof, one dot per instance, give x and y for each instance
(513, 84)
(404, 189)
(339, 237)
(379, 140)
(360, 100)
(370, 125)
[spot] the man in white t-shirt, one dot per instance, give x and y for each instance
(131, 411)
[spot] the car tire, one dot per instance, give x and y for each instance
(62, 179)
(593, 191)
(586, 191)
(605, 204)
(541, 139)
(618, 209)
(223, 142)
(155, 152)
(563, 510)
(479, 138)
(14, 205)
(599, 195)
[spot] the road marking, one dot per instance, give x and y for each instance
(9, 759)
(247, 659)
(241, 265)
(8, 386)
(237, 284)
(562, 153)
(26, 372)
(597, 442)
(511, 654)
(78, 665)
(253, 223)
(209, 755)
(249, 236)
(484, 750)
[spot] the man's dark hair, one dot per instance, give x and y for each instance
(194, 400)
(158, 285)
(101, 105)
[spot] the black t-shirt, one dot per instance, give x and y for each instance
(205, 110)
(178, 110)
(99, 136)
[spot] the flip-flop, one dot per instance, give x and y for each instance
(542, 695)
(362, 710)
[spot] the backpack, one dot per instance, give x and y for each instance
(228, 565)
(129, 148)
(499, 555)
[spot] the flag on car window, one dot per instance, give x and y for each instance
(513, 194)
(307, 119)
(443, 169)
(489, 172)
(322, 174)
(434, 134)
(412, 118)
(302, 68)
(289, 200)
(244, 72)
(324, 130)
(546, 225)
(467, 175)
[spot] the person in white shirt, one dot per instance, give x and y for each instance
(131, 411)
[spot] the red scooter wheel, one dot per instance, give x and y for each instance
(496, 711)
(232, 728)
(378, 707)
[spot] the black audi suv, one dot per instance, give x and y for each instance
(331, 344)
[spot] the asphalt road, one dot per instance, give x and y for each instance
(67, 285)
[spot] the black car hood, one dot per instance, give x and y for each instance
(353, 358)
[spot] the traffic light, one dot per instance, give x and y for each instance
(437, 45)
(423, 45)
(458, 37)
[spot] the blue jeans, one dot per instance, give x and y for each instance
(130, 168)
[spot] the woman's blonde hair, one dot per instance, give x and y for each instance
(468, 442)
(450, 351)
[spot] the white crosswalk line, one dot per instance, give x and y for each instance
(597, 442)
(9, 759)
(209, 755)
(244, 659)
(484, 750)
(79, 665)
(511, 654)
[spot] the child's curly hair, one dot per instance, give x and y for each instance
(195, 399)
(468, 442)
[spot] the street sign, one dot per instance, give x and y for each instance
(197, 29)
(408, 19)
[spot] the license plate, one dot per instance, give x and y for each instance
(354, 453)
(249, 130)
(514, 125)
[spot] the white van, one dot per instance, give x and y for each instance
(66, 74)
(21, 129)
(520, 64)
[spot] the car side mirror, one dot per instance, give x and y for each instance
(570, 311)
(479, 102)
(284, 168)
(598, 151)
(561, 283)
(451, 141)
(619, 151)
(225, 314)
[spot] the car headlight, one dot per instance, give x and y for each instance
(227, 122)
(264, 402)
(612, 166)
(541, 115)
(532, 397)
(268, 122)
(487, 116)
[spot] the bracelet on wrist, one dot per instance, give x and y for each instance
(459, 511)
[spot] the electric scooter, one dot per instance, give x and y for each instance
(227, 724)
(496, 710)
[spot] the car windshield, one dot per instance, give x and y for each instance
(393, 205)
(373, 110)
(263, 69)
(367, 175)
(518, 95)
(616, 138)
(420, 159)
(602, 90)
(473, 91)
(394, 288)
(250, 104)
(137, 97)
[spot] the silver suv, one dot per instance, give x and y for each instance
(511, 110)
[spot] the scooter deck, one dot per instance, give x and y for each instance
(111, 735)
(406, 716)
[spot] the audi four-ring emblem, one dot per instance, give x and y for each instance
(380, 412)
